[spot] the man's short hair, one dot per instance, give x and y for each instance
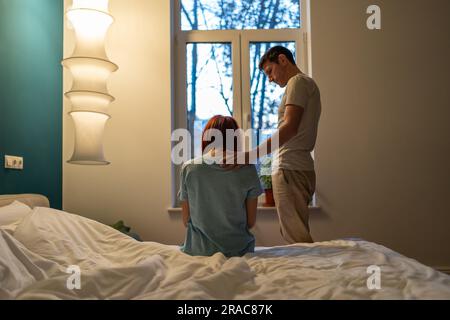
(273, 53)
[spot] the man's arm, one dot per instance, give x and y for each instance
(251, 205)
(185, 212)
(287, 130)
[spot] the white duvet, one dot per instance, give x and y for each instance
(34, 264)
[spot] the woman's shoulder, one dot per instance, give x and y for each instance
(190, 163)
(248, 171)
(193, 164)
(249, 167)
(199, 162)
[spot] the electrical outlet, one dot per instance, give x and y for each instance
(13, 162)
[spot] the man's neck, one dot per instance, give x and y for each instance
(293, 71)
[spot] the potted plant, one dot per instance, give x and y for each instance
(120, 225)
(265, 175)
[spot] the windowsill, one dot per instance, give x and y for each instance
(260, 209)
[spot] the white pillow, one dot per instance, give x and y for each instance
(12, 213)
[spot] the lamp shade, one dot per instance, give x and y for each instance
(89, 127)
(90, 69)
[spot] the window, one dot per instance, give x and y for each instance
(218, 45)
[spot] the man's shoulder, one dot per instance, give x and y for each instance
(303, 80)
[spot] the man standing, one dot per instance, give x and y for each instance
(293, 174)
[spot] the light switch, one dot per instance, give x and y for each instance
(13, 162)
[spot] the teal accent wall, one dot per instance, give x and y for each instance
(31, 50)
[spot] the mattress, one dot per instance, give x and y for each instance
(53, 254)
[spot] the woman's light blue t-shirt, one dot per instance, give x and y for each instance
(218, 215)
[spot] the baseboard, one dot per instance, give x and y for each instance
(444, 269)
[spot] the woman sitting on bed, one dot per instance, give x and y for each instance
(219, 205)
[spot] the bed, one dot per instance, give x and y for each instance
(51, 254)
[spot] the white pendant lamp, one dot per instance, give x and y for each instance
(90, 69)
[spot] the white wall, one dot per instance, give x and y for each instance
(383, 149)
(382, 152)
(135, 187)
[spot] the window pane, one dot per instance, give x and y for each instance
(240, 14)
(209, 86)
(264, 96)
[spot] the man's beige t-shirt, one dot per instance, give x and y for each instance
(301, 91)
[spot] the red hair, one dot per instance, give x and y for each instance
(221, 123)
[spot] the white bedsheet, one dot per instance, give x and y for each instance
(33, 264)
